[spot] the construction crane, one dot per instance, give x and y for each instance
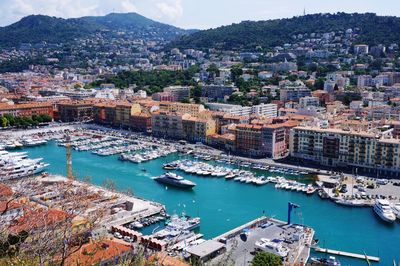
(69, 157)
(291, 206)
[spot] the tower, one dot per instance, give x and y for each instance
(69, 158)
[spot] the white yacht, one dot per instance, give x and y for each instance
(33, 142)
(384, 211)
(396, 210)
(17, 165)
(272, 246)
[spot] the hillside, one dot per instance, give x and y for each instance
(38, 28)
(373, 29)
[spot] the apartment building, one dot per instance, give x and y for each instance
(294, 93)
(104, 113)
(75, 111)
(168, 124)
(178, 93)
(26, 109)
(184, 108)
(163, 97)
(276, 139)
(308, 101)
(232, 109)
(141, 122)
(123, 113)
(343, 148)
(249, 140)
(217, 92)
(196, 129)
(267, 110)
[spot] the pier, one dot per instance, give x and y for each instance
(347, 254)
(240, 251)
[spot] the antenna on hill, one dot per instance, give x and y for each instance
(304, 11)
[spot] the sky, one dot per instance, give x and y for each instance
(192, 14)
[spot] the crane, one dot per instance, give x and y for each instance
(69, 157)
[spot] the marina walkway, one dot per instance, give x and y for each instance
(347, 254)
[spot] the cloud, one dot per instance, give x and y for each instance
(170, 10)
(128, 6)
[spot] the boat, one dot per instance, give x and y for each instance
(351, 202)
(310, 189)
(230, 176)
(396, 210)
(33, 142)
(174, 180)
(272, 246)
(331, 261)
(184, 222)
(322, 194)
(170, 166)
(136, 224)
(384, 211)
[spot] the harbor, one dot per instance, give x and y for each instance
(223, 203)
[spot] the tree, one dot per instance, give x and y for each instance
(319, 84)
(213, 69)
(266, 259)
(236, 72)
(4, 121)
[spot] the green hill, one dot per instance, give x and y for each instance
(37, 28)
(373, 29)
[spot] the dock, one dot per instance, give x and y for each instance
(347, 254)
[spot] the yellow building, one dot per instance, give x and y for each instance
(184, 108)
(197, 129)
(124, 111)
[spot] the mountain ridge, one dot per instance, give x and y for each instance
(39, 28)
(374, 29)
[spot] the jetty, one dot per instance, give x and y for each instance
(347, 254)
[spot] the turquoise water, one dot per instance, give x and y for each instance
(223, 205)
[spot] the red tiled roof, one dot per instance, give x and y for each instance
(38, 219)
(93, 253)
(5, 191)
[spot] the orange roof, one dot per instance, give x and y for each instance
(9, 205)
(249, 126)
(269, 123)
(38, 219)
(5, 191)
(105, 105)
(24, 106)
(93, 253)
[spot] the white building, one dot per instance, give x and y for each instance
(264, 75)
(267, 110)
(308, 101)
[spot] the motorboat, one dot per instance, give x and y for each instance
(351, 202)
(136, 225)
(174, 180)
(396, 210)
(384, 211)
(331, 261)
(274, 246)
(310, 189)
